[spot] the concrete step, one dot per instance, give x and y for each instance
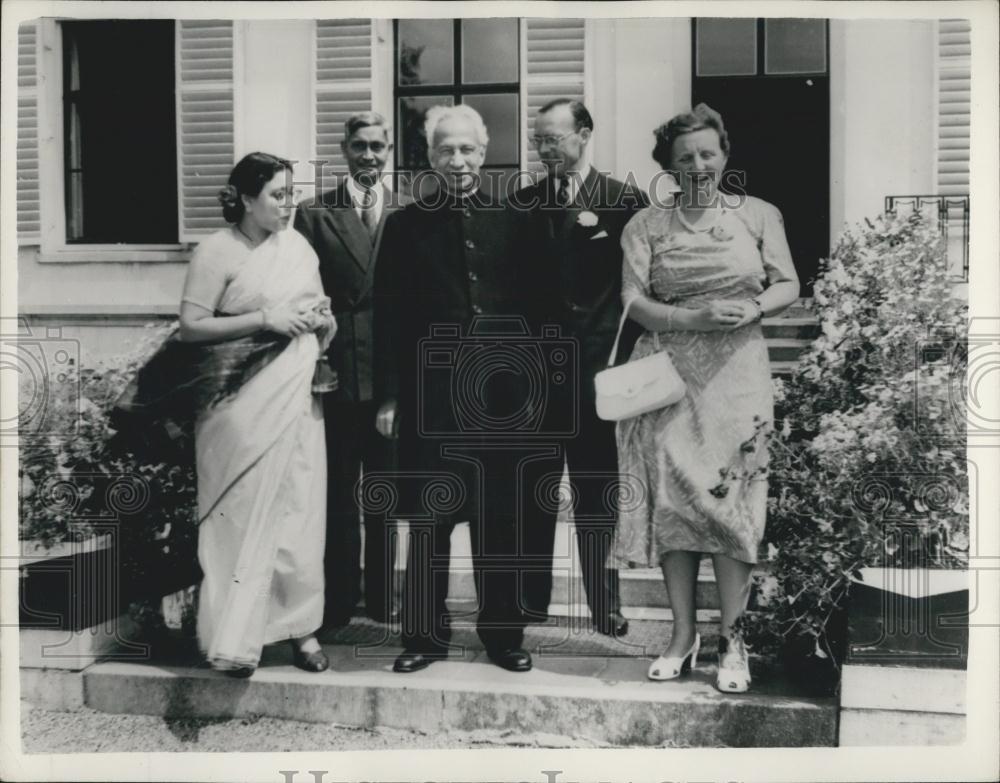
(782, 349)
(783, 368)
(583, 687)
(796, 327)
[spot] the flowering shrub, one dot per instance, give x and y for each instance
(867, 462)
(79, 477)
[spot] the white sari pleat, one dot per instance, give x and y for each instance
(261, 460)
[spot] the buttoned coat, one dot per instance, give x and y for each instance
(453, 290)
(580, 265)
(347, 267)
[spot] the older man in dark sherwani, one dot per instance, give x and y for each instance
(452, 282)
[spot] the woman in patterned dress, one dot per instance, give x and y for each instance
(698, 276)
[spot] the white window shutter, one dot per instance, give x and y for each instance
(954, 80)
(555, 49)
(343, 83)
(204, 123)
(28, 216)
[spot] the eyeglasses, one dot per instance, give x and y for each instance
(540, 141)
(358, 146)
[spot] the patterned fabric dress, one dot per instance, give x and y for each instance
(672, 457)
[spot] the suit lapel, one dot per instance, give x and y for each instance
(351, 230)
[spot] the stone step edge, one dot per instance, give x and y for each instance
(469, 696)
(466, 676)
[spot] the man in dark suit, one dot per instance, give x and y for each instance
(449, 299)
(581, 213)
(345, 227)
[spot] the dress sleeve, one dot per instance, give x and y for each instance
(774, 252)
(207, 277)
(638, 254)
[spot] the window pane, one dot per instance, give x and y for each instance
(489, 51)
(726, 47)
(500, 115)
(120, 132)
(795, 46)
(426, 51)
(412, 144)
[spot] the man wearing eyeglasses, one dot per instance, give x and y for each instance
(344, 227)
(581, 213)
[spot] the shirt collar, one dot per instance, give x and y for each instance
(357, 193)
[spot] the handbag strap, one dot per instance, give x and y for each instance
(621, 325)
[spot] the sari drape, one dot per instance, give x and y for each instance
(261, 464)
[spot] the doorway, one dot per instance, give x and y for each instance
(769, 79)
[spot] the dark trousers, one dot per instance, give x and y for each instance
(496, 560)
(353, 445)
(591, 456)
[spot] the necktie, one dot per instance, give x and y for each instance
(368, 216)
(562, 194)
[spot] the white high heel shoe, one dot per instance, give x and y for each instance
(734, 666)
(664, 668)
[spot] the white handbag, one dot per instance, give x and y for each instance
(637, 387)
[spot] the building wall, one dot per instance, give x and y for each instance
(637, 74)
(882, 114)
(640, 76)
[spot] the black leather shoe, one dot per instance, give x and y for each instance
(242, 673)
(513, 660)
(409, 662)
(311, 661)
(614, 624)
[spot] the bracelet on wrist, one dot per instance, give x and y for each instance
(760, 309)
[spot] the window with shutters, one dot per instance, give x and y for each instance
(140, 135)
(28, 216)
(119, 132)
(954, 79)
(343, 83)
(555, 69)
(450, 61)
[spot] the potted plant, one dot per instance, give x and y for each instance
(867, 463)
(104, 532)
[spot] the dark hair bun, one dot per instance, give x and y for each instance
(228, 196)
(232, 206)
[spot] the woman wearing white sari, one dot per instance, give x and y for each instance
(260, 453)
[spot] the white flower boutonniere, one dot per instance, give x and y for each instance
(587, 219)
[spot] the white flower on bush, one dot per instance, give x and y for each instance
(768, 590)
